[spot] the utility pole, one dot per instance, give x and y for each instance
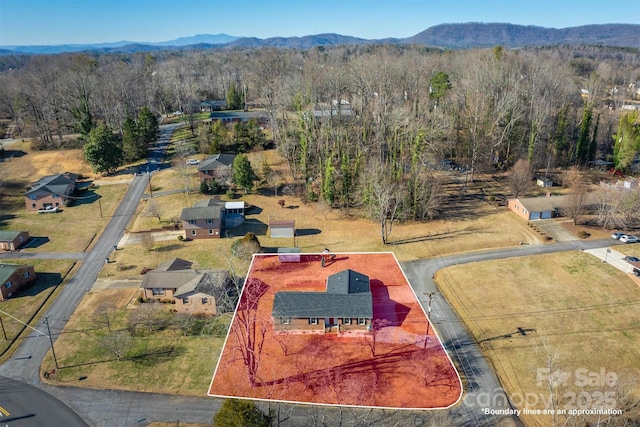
(55, 360)
(430, 295)
(149, 177)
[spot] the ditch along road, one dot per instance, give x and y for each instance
(122, 408)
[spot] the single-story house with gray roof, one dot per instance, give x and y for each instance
(187, 290)
(11, 240)
(347, 304)
(50, 191)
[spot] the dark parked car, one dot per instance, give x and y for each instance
(631, 259)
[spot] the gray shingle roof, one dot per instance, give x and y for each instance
(217, 161)
(320, 304)
(208, 212)
(6, 270)
(53, 184)
(348, 295)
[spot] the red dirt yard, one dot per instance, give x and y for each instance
(391, 368)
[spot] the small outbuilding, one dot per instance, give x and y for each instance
(15, 277)
(544, 182)
(282, 228)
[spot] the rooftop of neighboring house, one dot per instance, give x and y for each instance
(177, 274)
(217, 161)
(7, 270)
(8, 235)
(53, 184)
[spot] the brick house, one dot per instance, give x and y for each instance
(187, 290)
(207, 218)
(50, 191)
(216, 167)
(15, 277)
(532, 208)
(12, 240)
(347, 304)
(203, 220)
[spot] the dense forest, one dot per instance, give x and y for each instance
(393, 113)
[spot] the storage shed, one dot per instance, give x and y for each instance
(282, 228)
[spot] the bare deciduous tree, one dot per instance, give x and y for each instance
(520, 177)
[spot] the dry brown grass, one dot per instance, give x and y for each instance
(576, 308)
(168, 354)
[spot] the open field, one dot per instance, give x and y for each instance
(161, 361)
(22, 307)
(561, 312)
(402, 364)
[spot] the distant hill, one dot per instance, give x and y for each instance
(462, 36)
(446, 36)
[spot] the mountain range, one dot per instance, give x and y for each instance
(444, 36)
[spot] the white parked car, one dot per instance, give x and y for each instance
(629, 239)
(617, 235)
(48, 209)
(193, 162)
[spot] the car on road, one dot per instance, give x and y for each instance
(629, 239)
(617, 236)
(48, 209)
(193, 162)
(631, 259)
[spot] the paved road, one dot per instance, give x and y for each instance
(17, 408)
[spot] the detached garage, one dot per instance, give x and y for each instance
(281, 229)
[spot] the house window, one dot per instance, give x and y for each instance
(7, 285)
(25, 274)
(313, 320)
(209, 221)
(193, 232)
(284, 320)
(157, 291)
(205, 300)
(33, 205)
(185, 300)
(210, 232)
(362, 321)
(346, 321)
(192, 221)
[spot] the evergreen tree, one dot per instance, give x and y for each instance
(132, 144)
(627, 141)
(243, 174)
(148, 126)
(582, 145)
(328, 191)
(240, 413)
(235, 99)
(103, 150)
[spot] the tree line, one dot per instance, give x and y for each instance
(359, 125)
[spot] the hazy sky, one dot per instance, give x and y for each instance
(47, 22)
